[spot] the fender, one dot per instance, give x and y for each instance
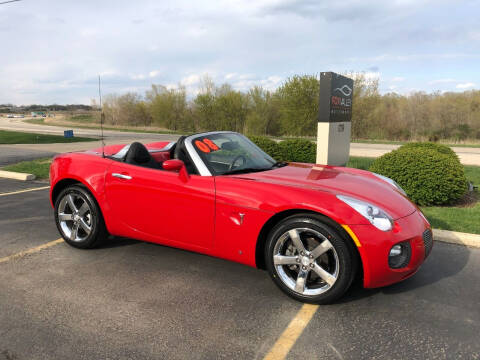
(89, 170)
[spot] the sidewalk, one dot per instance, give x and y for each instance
(468, 156)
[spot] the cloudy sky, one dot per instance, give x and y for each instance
(53, 50)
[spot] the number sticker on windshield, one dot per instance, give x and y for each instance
(206, 145)
(202, 146)
(211, 144)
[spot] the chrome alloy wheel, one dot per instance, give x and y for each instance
(75, 217)
(306, 261)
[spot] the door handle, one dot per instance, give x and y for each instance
(122, 176)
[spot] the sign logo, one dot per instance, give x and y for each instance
(345, 90)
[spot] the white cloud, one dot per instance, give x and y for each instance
(467, 85)
(442, 81)
(88, 32)
(154, 73)
(230, 76)
(371, 75)
(415, 57)
(242, 42)
(191, 80)
(138, 77)
(196, 31)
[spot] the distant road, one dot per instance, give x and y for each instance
(10, 154)
(468, 156)
(20, 125)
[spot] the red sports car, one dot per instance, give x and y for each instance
(312, 227)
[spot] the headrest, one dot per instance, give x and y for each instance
(138, 153)
(230, 145)
(179, 146)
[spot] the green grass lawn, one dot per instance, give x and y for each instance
(463, 219)
(82, 118)
(93, 125)
(391, 142)
(473, 174)
(36, 121)
(39, 167)
(360, 162)
(16, 137)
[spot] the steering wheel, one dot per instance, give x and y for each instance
(232, 165)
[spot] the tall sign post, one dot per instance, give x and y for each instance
(334, 119)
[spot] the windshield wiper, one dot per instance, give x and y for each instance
(244, 170)
(248, 170)
(279, 164)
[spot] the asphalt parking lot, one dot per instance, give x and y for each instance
(134, 300)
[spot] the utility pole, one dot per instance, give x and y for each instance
(9, 1)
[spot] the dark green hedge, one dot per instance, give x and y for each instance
(429, 176)
(296, 150)
(299, 150)
(270, 146)
(444, 149)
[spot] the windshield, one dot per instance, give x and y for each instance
(231, 153)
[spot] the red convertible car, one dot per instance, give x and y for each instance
(313, 228)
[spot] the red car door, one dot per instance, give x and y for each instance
(157, 205)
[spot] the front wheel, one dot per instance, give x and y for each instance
(309, 260)
(79, 219)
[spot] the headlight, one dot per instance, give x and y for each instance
(391, 182)
(377, 217)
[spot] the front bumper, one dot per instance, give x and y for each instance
(376, 245)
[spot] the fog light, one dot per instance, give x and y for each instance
(399, 255)
(396, 250)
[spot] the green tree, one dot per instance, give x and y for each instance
(263, 113)
(298, 101)
(168, 107)
(365, 102)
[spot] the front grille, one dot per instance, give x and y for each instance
(427, 241)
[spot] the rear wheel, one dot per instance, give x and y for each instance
(79, 219)
(309, 260)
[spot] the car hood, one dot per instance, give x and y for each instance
(356, 183)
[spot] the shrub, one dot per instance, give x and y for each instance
(444, 149)
(299, 150)
(428, 176)
(270, 146)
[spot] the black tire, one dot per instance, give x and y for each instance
(340, 259)
(92, 218)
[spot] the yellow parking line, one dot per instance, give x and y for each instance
(26, 190)
(290, 335)
(30, 251)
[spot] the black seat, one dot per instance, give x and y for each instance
(180, 153)
(138, 154)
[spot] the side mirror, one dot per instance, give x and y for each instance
(177, 166)
(173, 165)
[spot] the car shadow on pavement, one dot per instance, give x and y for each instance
(115, 241)
(445, 260)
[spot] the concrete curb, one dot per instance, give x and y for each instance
(16, 175)
(454, 237)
